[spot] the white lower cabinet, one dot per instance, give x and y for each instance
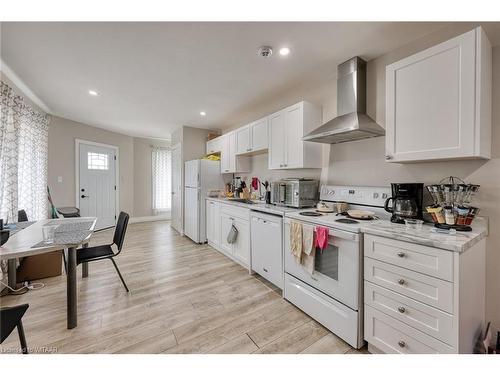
(241, 248)
(427, 319)
(391, 336)
(421, 299)
(226, 223)
(213, 223)
(220, 219)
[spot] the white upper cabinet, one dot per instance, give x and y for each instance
(259, 134)
(243, 141)
(276, 140)
(230, 162)
(438, 102)
(286, 129)
(252, 138)
(214, 145)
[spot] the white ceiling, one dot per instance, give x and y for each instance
(153, 77)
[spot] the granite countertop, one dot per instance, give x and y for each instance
(260, 207)
(459, 242)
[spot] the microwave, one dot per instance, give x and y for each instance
(295, 192)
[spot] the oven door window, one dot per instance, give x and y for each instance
(327, 261)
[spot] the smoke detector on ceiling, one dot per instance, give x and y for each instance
(265, 51)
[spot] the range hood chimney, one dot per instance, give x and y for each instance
(352, 122)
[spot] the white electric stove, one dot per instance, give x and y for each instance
(332, 293)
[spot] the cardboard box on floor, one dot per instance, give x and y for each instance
(40, 266)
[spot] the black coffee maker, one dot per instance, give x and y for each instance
(406, 202)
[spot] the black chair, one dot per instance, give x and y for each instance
(10, 318)
(22, 216)
(91, 254)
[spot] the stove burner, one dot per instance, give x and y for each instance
(347, 221)
(310, 213)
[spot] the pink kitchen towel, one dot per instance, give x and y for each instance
(321, 238)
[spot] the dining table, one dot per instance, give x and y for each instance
(70, 234)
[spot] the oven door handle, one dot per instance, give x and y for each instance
(350, 236)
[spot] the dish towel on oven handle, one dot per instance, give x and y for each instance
(321, 238)
(308, 249)
(296, 240)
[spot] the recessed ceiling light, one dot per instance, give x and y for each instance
(203, 113)
(284, 51)
(93, 93)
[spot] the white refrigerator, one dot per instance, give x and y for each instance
(200, 176)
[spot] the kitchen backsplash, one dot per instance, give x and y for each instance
(259, 168)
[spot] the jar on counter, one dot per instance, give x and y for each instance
(449, 215)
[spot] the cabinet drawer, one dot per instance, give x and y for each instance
(426, 289)
(393, 336)
(434, 322)
(424, 259)
(235, 211)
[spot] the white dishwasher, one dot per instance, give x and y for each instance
(267, 246)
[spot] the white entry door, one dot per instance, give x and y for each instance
(97, 183)
(177, 188)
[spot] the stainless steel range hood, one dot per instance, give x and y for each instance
(352, 123)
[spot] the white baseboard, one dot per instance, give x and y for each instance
(143, 219)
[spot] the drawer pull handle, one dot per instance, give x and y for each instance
(402, 344)
(401, 281)
(401, 309)
(315, 279)
(264, 269)
(401, 254)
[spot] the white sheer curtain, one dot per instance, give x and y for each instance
(161, 180)
(23, 158)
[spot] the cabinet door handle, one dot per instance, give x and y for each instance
(264, 269)
(388, 157)
(401, 254)
(402, 344)
(401, 309)
(401, 281)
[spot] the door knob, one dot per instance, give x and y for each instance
(84, 196)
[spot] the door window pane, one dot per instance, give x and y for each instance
(97, 161)
(327, 261)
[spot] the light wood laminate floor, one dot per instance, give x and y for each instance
(185, 298)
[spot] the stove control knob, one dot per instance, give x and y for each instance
(375, 195)
(384, 196)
